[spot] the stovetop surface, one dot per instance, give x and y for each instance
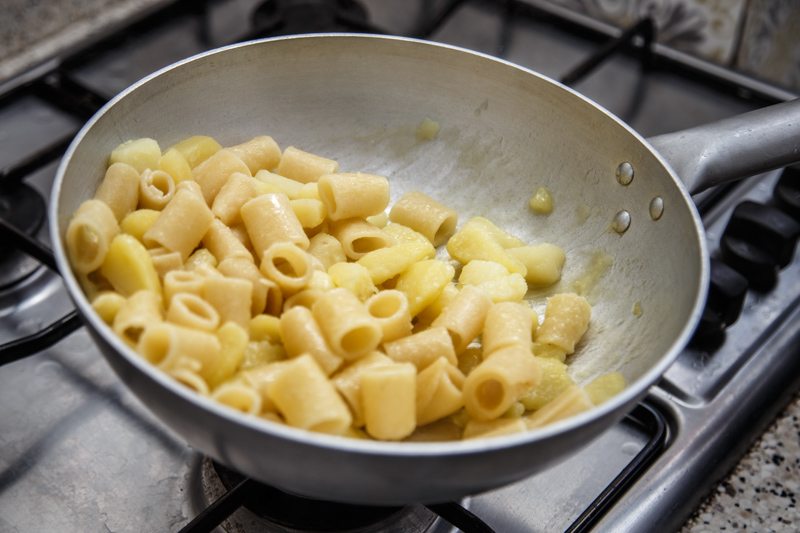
(79, 453)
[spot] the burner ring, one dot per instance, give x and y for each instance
(23, 207)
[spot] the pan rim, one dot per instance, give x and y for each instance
(344, 444)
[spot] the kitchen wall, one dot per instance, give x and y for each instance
(760, 38)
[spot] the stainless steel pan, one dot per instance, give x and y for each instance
(505, 131)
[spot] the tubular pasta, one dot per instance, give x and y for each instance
(186, 309)
(181, 225)
(566, 319)
(89, 234)
(304, 167)
(237, 191)
(306, 398)
(327, 249)
(508, 323)
(214, 172)
(239, 396)
(422, 348)
(231, 297)
(258, 153)
(288, 266)
(171, 347)
(302, 335)
(358, 237)
(141, 310)
(464, 316)
(165, 261)
(390, 309)
(500, 380)
(425, 215)
(181, 281)
(223, 243)
(348, 382)
(269, 219)
(266, 295)
(388, 398)
(438, 391)
(353, 195)
(347, 325)
(119, 189)
(156, 189)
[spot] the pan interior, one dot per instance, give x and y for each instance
(504, 132)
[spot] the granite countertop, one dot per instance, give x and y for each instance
(761, 493)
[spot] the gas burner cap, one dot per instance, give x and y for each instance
(24, 208)
(272, 510)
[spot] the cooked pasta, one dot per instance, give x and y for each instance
(284, 290)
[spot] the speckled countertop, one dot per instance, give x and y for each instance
(761, 493)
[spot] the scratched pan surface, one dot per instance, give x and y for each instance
(505, 131)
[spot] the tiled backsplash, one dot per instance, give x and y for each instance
(760, 38)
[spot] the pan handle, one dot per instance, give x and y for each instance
(734, 148)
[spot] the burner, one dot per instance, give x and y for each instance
(281, 512)
(24, 208)
(286, 17)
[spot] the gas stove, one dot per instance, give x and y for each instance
(79, 453)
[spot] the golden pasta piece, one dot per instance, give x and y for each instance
(90, 233)
(141, 310)
(543, 263)
(258, 153)
(231, 297)
(197, 149)
(171, 347)
(213, 173)
(503, 378)
(566, 319)
(174, 163)
(347, 325)
(222, 243)
(493, 428)
(138, 222)
(572, 401)
(302, 335)
(304, 298)
(107, 304)
(480, 239)
(129, 268)
(288, 266)
(422, 213)
(156, 188)
(304, 167)
(388, 400)
(260, 378)
(423, 282)
(358, 237)
(306, 398)
(354, 277)
(508, 323)
(237, 191)
(119, 189)
(327, 249)
(165, 261)
(233, 342)
(186, 309)
(605, 387)
(239, 396)
(422, 348)
(438, 391)
(464, 316)
(190, 378)
(181, 225)
(347, 382)
(555, 380)
(141, 154)
(269, 219)
(390, 309)
(181, 281)
(350, 195)
(266, 295)
(386, 263)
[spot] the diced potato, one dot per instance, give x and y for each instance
(542, 202)
(479, 239)
(423, 282)
(258, 353)
(543, 262)
(605, 387)
(427, 129)
(200, 257)
(129, 268)
(554, 381)
(572, 401)
(311, 213)
(174, 164)
(386, 263)
(106, 304)
(549, 351)
(403, 234)
(141, 154)
(354, 277)
(233, 340)
(138, 222)
(265, 328)
(289, 187)
(495, 280)
(197, 149)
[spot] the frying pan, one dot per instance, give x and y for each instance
(505, 131)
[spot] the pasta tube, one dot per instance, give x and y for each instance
(388, 398)
(258, 153)
(500, 380)
(566, 319)
(119, 189)
(464, 316)
(422, 213)
(89, 234)
(302, 335)
(141, 310)
(181, 225)
(156, 189)
(353, 195)
(269, 219)
(422, 348)
(358, 237)
(347, 325)
(288, 266)
(304, 167)
(438, 391)
(390, 309)
(508, 323)
(237, 191)
(214, 172)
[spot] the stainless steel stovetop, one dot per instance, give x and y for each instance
(79, 453)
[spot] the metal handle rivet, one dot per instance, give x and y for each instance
(625, 173)
(656, 207)
(621, 222)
